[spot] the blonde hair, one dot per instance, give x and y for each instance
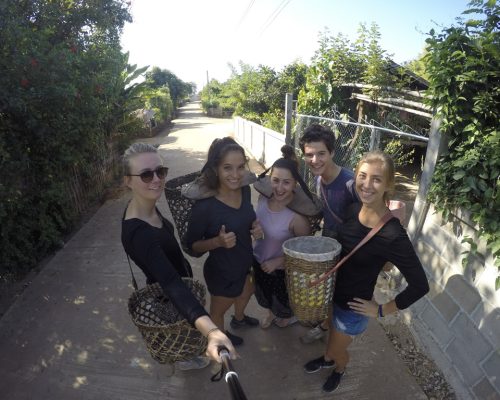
(134, 149)
(378, 156)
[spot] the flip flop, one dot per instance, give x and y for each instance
(284, 322)
(267, 321)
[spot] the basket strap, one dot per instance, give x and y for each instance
(387, 216)
(325, 200)
(134, 282)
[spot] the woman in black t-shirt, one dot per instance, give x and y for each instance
(223, 225)
(353, 302)
(148, 238)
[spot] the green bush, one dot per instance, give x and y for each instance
(463, 64)
(60, 76)
(160, 102)
(274, 120)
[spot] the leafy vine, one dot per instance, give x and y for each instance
(463, 66)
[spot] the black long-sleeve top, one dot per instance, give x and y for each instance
(358, 276)
(157, 253)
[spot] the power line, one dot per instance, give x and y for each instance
(273, 16)
(245, 13)
(268, 20)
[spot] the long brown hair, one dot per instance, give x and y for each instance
(217, 151)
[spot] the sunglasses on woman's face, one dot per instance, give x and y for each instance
(147, 176)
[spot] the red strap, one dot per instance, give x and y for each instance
(387, 216)
(325, 199)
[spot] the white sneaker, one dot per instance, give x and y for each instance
(313, 334)
(197, 362)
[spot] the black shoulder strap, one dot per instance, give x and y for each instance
(134, 282)
(247, 194)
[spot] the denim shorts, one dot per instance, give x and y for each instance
(348, 322)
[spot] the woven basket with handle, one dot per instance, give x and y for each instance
(306, 259)
(168, 336)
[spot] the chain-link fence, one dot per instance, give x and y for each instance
(353, 139)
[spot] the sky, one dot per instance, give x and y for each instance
(196, 39)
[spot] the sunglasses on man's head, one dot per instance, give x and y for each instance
(147, 176)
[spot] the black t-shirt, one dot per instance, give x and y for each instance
(224, 266)
(157, 253)
(358, 276)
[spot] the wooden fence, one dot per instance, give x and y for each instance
(85, 187)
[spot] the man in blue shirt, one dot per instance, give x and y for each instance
(335, 187)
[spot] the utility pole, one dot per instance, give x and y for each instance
(288, 117)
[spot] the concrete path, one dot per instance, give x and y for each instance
(69, 336)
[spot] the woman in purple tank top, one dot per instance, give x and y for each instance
(282, 210)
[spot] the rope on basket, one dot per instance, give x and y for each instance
(180, 206)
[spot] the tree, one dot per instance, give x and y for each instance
(418, 66)
(376, 72)
(337, 61)
(129, 97)
(60, 64)
(179, 90)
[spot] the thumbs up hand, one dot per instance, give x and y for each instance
(226, 239)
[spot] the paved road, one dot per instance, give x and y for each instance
(69, 337)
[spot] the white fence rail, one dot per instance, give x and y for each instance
(262, 143)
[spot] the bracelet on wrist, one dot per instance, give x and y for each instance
(211, 331)
(380, 311)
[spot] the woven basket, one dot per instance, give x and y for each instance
(168, 336)
(180, 206)
(306, 259)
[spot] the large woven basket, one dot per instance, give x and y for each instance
(180, 206)
(168, 336)
(306, 259)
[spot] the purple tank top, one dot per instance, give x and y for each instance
(276, 230)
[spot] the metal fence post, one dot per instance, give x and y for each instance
(264, 148)
(438, 143)
(288, 118)
(374, 139)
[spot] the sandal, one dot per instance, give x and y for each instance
(284, 322)
(267, 321)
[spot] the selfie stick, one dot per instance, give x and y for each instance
(231, 376)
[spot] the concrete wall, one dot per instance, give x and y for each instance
(459, 320)
(218, 112)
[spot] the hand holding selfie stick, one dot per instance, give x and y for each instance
(231, 376)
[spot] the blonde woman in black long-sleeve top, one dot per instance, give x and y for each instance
(353, 302)
(148, 238)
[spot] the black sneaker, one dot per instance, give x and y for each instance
(235, 340)
(317, 364)
(246, 321)
(333, 381)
